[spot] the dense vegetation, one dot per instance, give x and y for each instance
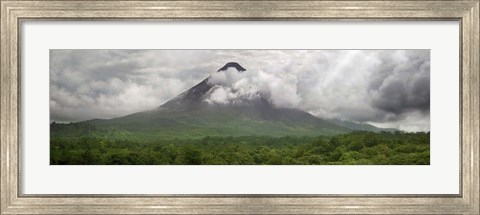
(111, 147)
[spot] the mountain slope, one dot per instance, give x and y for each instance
(256, 118)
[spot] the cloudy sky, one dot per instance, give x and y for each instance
(386, 88)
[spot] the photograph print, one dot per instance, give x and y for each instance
(239, 107)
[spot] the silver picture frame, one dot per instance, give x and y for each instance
(13, 12)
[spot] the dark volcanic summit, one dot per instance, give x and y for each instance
(232, 65)
(194, 97)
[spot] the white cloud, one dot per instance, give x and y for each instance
(277, 85)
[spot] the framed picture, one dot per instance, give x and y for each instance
(239, 107)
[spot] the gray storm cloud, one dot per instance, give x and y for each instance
(387, 88)
(402, 84)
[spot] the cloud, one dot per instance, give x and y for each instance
(383, 87)
(234, 86)
(402, 84)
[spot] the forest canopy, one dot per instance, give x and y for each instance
(111, 147)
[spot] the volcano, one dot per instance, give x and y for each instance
(191, 115)
(234, 65)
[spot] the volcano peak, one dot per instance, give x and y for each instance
(232, 65)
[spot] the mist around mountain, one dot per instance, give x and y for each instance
(193, 114)
(360, 126)
(214, 123)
